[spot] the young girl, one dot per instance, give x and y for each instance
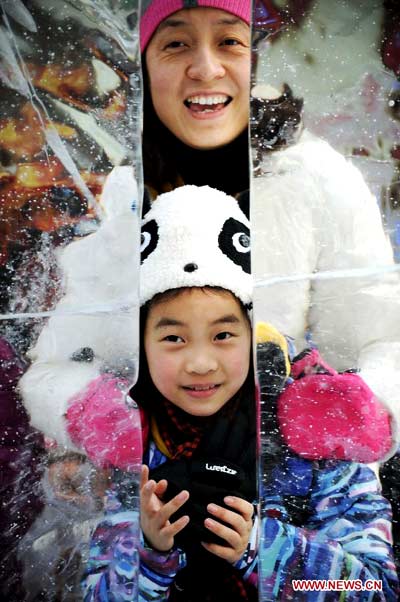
(198, 486)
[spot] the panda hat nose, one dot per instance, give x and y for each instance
(190, 267)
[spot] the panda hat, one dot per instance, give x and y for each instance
(194, 237)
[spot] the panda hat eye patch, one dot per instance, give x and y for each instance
(148, 239)
(234, 242)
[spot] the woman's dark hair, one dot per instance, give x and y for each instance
(159, 165)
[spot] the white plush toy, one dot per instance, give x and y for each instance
(94, 329)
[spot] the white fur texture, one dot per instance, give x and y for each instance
(313, 214)
(99, 309)
(193, 238)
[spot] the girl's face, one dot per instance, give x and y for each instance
(198, 63)
(197, 346)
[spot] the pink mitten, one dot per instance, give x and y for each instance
(326, 415)
(100, 422)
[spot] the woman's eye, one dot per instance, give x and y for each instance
(222, 336)
(230, 42)
(174, 44)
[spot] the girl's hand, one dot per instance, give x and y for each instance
(155, 514)
(237, 535)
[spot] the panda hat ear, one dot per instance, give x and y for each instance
(195, 237)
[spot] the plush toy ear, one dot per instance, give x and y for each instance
(146, 205)
(297, 103)
(243, 200)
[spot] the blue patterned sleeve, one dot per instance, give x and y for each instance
(157, 573)
(346, 535)
(120, 567)
(111, 573)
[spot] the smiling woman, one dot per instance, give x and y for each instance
(199, 69)
(196, 94)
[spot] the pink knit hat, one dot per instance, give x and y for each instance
(158, 10)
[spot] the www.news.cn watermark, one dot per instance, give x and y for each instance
(336, 585)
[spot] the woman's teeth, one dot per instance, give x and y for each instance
(208, 100)
(207, 104)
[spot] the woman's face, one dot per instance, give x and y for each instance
(198, 63)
